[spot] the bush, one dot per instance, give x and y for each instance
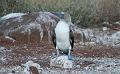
(84, 13)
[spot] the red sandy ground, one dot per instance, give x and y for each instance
(42, 51)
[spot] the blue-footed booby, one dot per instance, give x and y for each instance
(63, 38)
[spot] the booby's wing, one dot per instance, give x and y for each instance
(54, 37)
(71, 38)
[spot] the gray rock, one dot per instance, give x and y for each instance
(61, 61)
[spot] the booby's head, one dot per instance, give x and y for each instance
(63, 16)
(67, 18)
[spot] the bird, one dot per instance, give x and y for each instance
(63, 38)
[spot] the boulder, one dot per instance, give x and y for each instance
(28, 27)
(61, 62)
(35, 27)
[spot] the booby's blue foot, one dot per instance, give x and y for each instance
(70, 57)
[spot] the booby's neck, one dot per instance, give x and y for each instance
(63, 23)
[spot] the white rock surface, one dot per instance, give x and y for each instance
(61, 61)
(12, 15)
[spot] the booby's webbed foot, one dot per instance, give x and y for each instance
(70, 57)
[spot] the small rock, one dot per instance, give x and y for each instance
(30, 66)
(62, 62)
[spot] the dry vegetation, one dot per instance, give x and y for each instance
(84, 12)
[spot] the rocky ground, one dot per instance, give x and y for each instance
(87, 59)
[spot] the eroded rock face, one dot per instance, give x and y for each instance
(28, 28)
(31, 27)
(36, 27)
